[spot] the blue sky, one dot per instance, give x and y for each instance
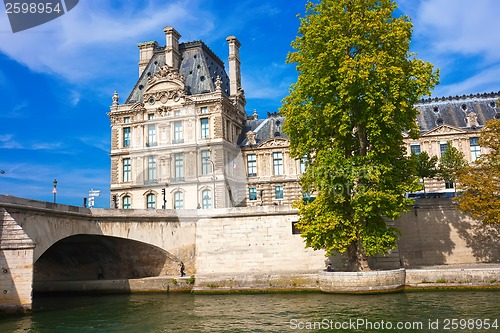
(57, 79)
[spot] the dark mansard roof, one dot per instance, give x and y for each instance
(433, 112)
(454, 111)
(264, 129)
(199, 66)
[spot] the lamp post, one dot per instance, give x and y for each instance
(213, 173)
(54, 191)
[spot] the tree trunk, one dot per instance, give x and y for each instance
(357, 260)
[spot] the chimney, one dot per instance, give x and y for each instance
(172, 55)
(234, 65)
(147, 50)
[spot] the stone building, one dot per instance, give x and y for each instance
(458, 120)
(182, 139)
(174, 140)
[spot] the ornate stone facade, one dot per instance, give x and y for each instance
(174, 140)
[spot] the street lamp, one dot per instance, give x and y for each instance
(213, 173)
(55, 190)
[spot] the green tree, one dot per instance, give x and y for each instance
(354, 97)
(451, 163)
(425, 167)
(480, 181)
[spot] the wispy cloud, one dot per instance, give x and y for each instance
(82, 41)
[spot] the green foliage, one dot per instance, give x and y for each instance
(425, 166)
(451, 163)
(480, 181)
(347, 112)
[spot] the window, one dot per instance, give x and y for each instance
(126, 170)
(252, 194)
(178, 132)
(278, 190)
(151, 168)
(448, 184)
(151, 136)
(303, 165)
(278, 163)
(206, 199)
(126, 136)
(179, 166)
(178, 200)
(475, 150)
(126, 202)
(151, 116)
(126, 120)
(252, 165)
(415, 149)
(205, 130)
(443, 147)
(204, 109)
(205, 162)
(151, 201)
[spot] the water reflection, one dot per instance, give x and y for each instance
(248, 313)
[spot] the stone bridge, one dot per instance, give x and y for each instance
(42, 242)
(227, 249)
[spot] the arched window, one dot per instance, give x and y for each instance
(206, 199)
(178, 200)
(126, 202)
(151, 201)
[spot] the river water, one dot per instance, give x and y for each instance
(439, 311)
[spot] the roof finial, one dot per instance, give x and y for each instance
(115, 99)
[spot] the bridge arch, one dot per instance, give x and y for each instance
(90, 257)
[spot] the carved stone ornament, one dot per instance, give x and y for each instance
(251, 138)
(275, 143)
(472, 119)
(163, 111)
(115, 98)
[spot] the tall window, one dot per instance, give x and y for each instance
(252, 165)
(151, 201)
(415, 149)
(443, 147)
(178, 200)
(278, 163)
(278, 191)
(126, 137)
(126, 202)
(179, 166)
(151, 168)
(126, 170)
(178, 138)
(206, 199)
(303, 165)
(151, 136)
(205, 162)
(475, 150)
(205, 130)
(252, 194)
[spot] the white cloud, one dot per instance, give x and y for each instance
(461, 26)
(84, 43)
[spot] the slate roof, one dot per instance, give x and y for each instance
(264, 129)
(199, 66)
(454, 110)
(433, 113)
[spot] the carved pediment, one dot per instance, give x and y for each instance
(444, 130)
(164, 85)
(276, 142)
